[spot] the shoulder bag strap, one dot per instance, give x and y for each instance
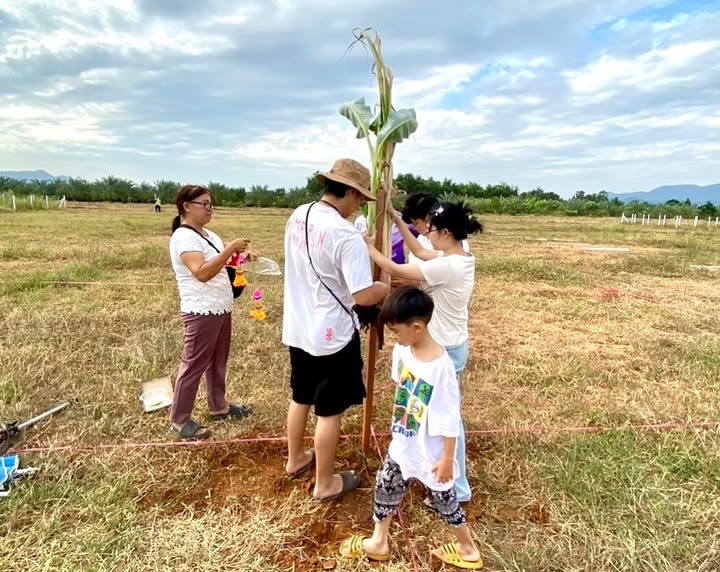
(202, 235)
(307, 246)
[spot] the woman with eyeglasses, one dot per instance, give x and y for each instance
(198, 258)
(447, 273)
(416, 214)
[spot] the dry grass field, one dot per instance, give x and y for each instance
(562, 337)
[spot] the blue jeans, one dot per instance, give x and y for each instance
(459, 356)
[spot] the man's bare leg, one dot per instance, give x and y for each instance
(327, 435)
(297, 417)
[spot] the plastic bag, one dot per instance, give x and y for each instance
(264, 267)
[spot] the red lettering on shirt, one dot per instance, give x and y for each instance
(296, 230)
(329, 334)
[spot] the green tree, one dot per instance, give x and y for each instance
(538, 193)
(707, 209)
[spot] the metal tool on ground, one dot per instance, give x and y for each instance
(10, 433)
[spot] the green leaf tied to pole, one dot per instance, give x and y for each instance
(399, 125)
(383, 128)
(361, 115)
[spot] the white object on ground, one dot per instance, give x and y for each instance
(709, 268)
(156, 394)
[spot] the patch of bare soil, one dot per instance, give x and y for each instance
(237, 475)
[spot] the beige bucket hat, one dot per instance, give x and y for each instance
(350, 173)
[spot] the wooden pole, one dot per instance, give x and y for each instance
(381, 156)
(369, 388)
(372, 349)
(384, 196)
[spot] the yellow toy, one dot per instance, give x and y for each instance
(258, 311)
(240, 280)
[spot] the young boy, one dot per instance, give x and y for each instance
(425, 426)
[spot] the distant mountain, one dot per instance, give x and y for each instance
(695, 193)
(39, 175)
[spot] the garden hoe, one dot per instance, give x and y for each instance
(10, 432)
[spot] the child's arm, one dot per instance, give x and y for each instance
(410, 241)
(443, 469)
(405, 271)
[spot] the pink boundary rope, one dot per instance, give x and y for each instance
(668, 426)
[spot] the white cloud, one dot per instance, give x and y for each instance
(676, 22)
(620, 25)
(438, 82)
(563, 94)
(308, 147)
(648, 71)
(113, 26)
(71, 125)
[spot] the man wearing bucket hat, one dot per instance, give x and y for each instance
(327, 272)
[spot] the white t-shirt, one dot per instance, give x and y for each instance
(312, 319)
(425, 243)
(426, 410)
(361, 223)
(449, 280)
(212, 297)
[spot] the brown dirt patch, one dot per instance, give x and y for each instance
(251, 471)
(536, 512)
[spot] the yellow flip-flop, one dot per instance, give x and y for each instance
(450, 554)
(352, 548)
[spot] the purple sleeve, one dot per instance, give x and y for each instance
(398, 246)
(413, 230)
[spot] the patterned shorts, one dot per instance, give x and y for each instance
(390, 489)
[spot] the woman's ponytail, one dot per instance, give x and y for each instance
(457, 218)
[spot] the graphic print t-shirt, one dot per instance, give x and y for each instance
(426, 410)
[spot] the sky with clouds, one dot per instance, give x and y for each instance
(622, 95)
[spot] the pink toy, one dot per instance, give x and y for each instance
(258, 311)
(236, 260)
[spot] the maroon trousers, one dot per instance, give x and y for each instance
(206, 350)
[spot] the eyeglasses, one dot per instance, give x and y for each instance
(207, 206)
(428, 231)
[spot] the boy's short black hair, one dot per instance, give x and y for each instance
(406, 305)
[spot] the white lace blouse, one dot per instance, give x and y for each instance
(211, 297)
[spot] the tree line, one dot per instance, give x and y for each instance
(501, 198)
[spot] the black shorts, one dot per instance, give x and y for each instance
(331, 383)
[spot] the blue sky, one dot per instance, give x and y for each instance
(622, 95)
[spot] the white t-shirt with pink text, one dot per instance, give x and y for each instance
(312, 319)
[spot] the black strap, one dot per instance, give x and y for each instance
(201, 234)
(307, 246)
